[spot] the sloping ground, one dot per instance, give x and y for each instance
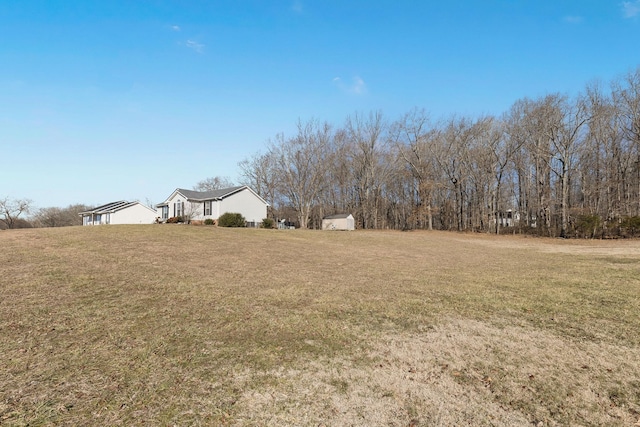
(183, 325)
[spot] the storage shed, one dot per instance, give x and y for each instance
(121, 212)
(338, 222)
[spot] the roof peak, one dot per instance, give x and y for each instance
(211, 194)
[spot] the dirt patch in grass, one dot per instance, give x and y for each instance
(179, 325)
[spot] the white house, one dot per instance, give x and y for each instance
(511, 218)
(338, 222)
(119, 213)
(202, 205)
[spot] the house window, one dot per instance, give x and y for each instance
(165, 212)
(178, 208)
(97, 218)
(207, 208)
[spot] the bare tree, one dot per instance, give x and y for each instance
(486, 158)
(338, 195)
(626, 95)
(565, 121)
(259, 172)
(301, 166)
(365, 136)
(60, 217)
(213, 183)
(534, 166)
(517, 132)
(191, 210)
(606, 161)
(450, 153)
(11, 209)
(412, 136)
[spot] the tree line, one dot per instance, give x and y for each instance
(556, 165)
(20, 213)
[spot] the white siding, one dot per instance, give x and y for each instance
(215, 211)
(173, 200)
(347, 223)
(135, 214)
(194, 210)
(245, 203)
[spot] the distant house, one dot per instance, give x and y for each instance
(285, 224)
(338, 222)
(119, 213)
(507, 218)
(201, 205)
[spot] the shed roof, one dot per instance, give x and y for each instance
(338, 216)
(109, 207)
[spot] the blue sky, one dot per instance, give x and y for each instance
(119, 99)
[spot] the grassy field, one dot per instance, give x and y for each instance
(184, 325)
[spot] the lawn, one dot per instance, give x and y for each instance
(187, 325)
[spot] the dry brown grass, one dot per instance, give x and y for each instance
(179, 325)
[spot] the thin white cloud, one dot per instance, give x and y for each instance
(175, 28)
(297, 7)
(356, 87)
(631, 9)
(574, 19)
(197, 47)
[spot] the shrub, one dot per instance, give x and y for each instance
(631, 225)
(267, 223)
(230, 219)
(174, 220)
(209, 221)
(587, 225)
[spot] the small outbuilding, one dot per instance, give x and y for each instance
(121, 212)
(339, 222)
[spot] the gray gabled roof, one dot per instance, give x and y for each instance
(209, 195)
(109, 207)
(201, 196)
